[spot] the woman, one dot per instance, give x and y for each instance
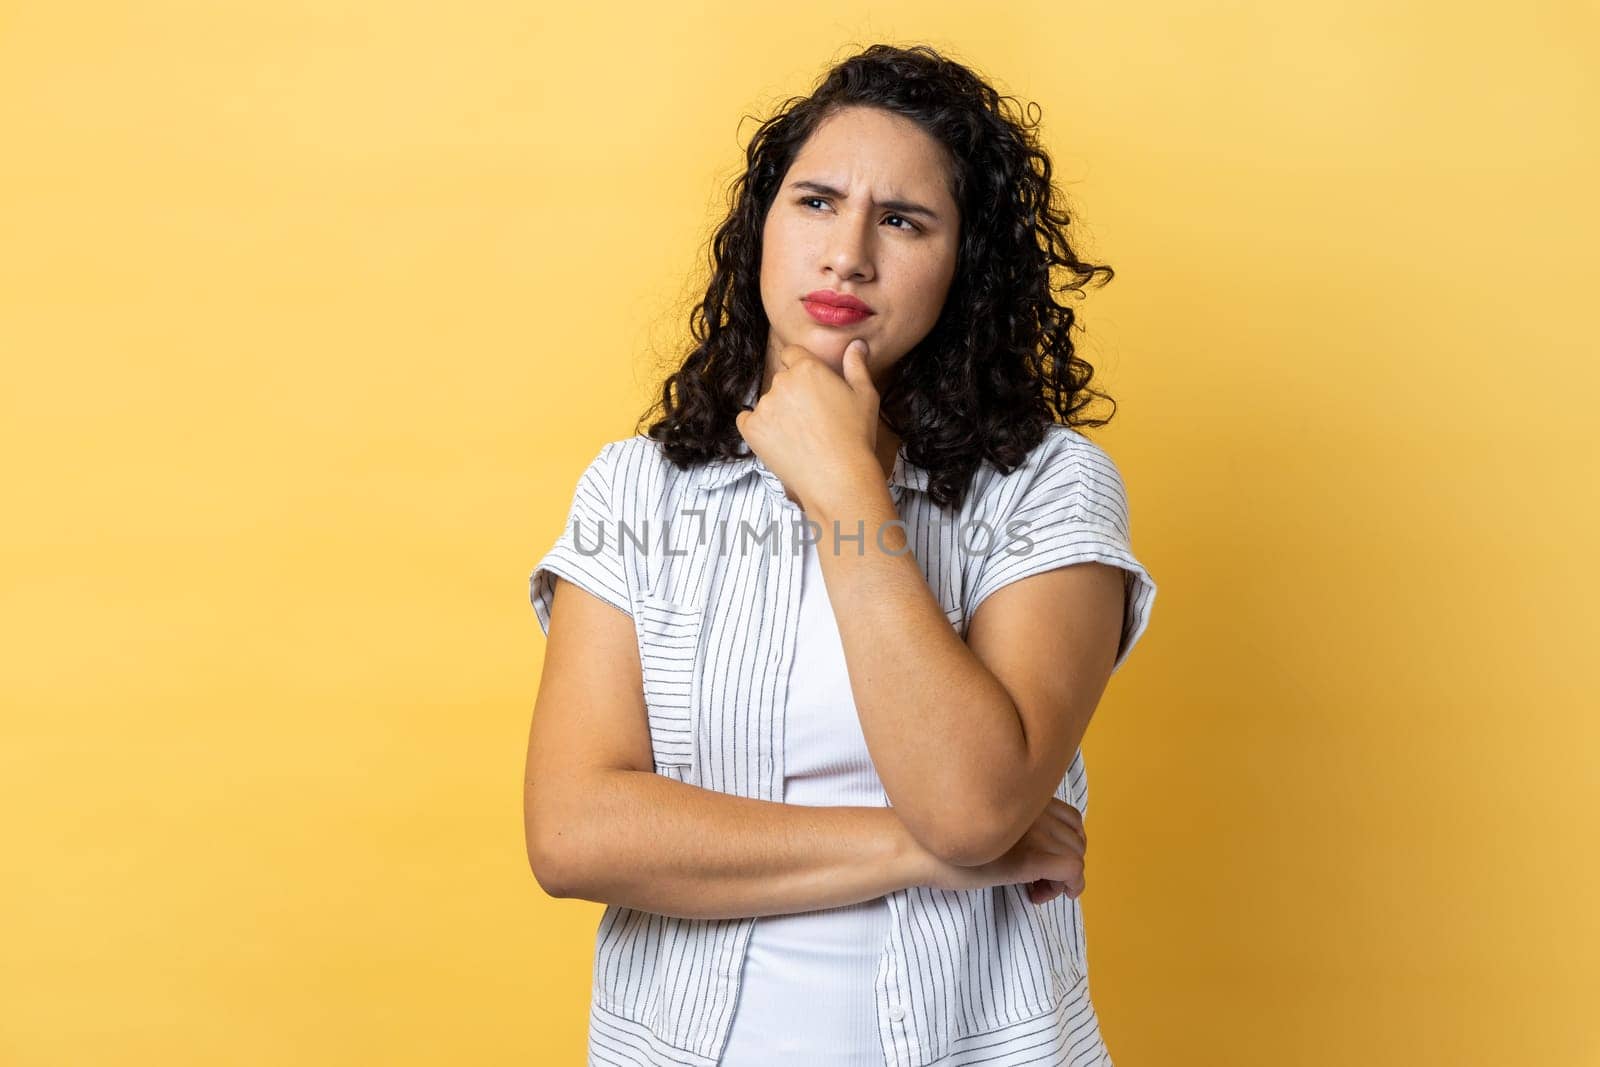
(832, 803)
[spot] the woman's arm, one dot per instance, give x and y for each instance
(1014, 698)
(642, 840)
(601, 825)
(701, 854)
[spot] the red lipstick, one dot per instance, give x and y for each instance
(833, 308)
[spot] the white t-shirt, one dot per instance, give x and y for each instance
(806, 997)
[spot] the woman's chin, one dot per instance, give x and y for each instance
(829, 343)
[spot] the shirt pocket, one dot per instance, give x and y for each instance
(669, 659)
(1050, 942)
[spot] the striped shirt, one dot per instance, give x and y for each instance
(707, 561)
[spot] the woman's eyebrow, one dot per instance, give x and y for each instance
(904, 207)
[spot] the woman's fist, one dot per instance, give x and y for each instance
(1049, 857)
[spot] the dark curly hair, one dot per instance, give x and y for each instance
(997, 368)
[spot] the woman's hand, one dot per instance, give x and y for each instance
(816, 428)
(1049, 857)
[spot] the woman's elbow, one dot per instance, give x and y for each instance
(547, 856)
(959, 838)
(548, 874)
(974, 848)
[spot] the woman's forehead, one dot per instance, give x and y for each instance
(889, 156)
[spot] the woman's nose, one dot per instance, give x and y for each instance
(849, 251)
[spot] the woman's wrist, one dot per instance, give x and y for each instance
(914, 864)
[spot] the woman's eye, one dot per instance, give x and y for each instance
(909, 227)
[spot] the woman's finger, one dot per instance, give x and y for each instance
(1045, 890)
(1068, 836)
(1067, 815)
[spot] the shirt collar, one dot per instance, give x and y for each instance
(721, 472)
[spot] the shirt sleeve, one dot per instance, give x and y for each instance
(588, 553)
(1063, 506)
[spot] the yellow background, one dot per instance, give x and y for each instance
(311, 314)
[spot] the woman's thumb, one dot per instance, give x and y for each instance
(855, 364)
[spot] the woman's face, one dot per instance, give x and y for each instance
(865, 210)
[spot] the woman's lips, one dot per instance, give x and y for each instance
(829, 315)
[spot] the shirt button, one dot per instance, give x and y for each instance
(897, 1013)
